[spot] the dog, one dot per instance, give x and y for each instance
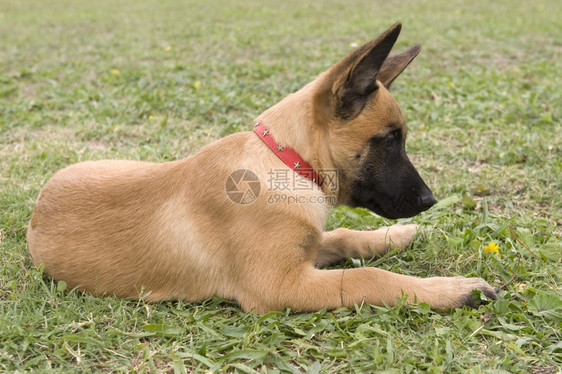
(243, 218)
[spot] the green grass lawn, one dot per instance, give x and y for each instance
(150, 80)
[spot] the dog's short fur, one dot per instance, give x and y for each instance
(119, 227)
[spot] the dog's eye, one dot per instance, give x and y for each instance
(392, 137)
(387, 140)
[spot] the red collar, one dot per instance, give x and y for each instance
(291, 158)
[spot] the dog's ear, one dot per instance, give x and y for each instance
(353, 79)
(395, 64)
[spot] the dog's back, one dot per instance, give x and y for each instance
(116, 227)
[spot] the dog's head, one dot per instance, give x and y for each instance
(367, 133)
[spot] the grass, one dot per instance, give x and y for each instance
(154, 81)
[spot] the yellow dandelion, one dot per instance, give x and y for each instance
(115, 72)
(150, 117)
(451, 83)
(168, 48)
(196, 85)
(493, 248)
(458, 12)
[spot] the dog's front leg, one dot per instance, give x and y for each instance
(344, 243)
(309, 289)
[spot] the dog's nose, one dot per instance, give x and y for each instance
(427, 199)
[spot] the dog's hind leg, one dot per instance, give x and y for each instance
(343, 243)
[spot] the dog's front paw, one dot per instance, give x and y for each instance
(456, 292)
(401, 236)
(466, 286)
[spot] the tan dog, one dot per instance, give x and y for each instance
(221, 222)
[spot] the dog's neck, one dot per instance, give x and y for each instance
(293, 123)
